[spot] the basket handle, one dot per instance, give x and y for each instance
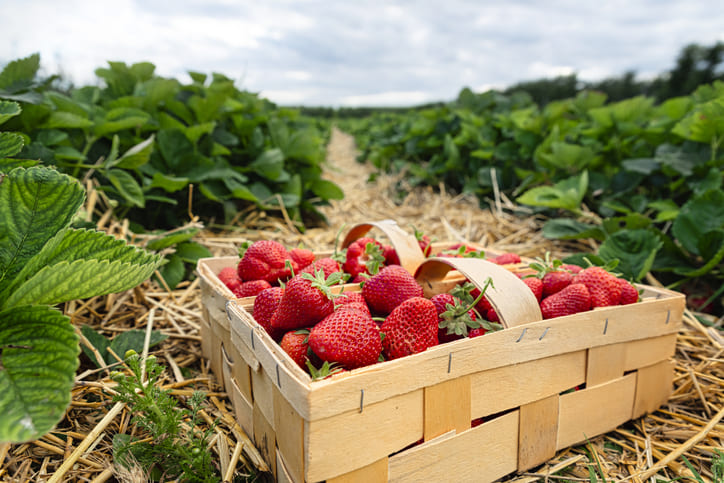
(510, 297)
(406, 246)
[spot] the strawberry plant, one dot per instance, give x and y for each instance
(45, 262)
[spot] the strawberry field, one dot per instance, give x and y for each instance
(110, 337)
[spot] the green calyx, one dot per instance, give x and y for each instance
(376, 258)
(243, 248)
(457, 319)
(327, 369)
(324, 284)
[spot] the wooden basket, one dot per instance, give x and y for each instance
(411, 419)
(215, 295)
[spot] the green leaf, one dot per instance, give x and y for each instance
(174, 147)
(698, 216)
(137, 155)
(568, 229)
(20, 71)
(191, 252)
(66, 120)
(8, 109)
(711, 246)
(35, 204)
(270, 164)
(129, 267)
(98, 341)
(134, 339)
(68, 153)
(168, 183)
(327, 190)
(127, 186)
(10, 144)
(172, 239)
(566, 194)
(174, 271)
(38, 360)
(635, 250)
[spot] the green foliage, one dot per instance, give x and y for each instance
(178, 449)
(44, 262)
(130, 340)
(652, 172)
(146, 139)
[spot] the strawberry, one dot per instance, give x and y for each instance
(348, 337)
(265, 304)
(296, 344)
(571, 268)
(467, 292)
(306, 300)
(460, 250)
(492, 315)
(364, 255)
(251, 288)
(477, 332)
(603, 286)
(387, 289)
(230, 278)
(556, 281)
(536, 286)
(629, 293)
(410, 328)
(265, 260)
(572, 299)
(506, 258)
(327, 264)
(453, 320)
(423, 241)
(302, 256)
(390, 254)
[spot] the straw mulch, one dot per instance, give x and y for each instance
(689, 425)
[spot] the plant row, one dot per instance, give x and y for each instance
(642, 178)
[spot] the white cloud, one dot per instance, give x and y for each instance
(350, 53)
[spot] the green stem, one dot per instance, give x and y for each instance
(89, 140)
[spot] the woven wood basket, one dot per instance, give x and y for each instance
(215, 295)
(416, 418)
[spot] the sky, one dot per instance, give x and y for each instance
(364, 52)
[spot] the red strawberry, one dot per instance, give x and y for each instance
(251, 288)
(423, 241)
(265, 304)
(506, 258)
(536, 286)
(629, 293)
(410, 328)
(459, 250)
(348, 337)
(477, 332)
(603, 286)
(327, 264)
(265, 260)
(454, 322)
(571, 268)
(556, 281)
(363, 255)
(390, 254)
(349, 297)
(230, 278)
(390, 287)
(492, 315)
(307, 299)
(572, 299)
(302, 256)
(296, 344)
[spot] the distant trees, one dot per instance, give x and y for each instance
(695, 65)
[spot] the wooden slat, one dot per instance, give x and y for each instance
(376, 472)
(447, 407)
(283, 475)
(508, 387)
(243, 408)
(289, 429)
(263, 389)
(538, 432)
(265, 439)
(242, 348)
(653, 387)
(605, 363)
(646, 352)
(240, 370)
(481, 454)
(593, 411)
(340, 444)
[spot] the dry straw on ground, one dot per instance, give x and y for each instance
(688, 426)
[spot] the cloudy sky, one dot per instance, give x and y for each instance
(366, 52)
